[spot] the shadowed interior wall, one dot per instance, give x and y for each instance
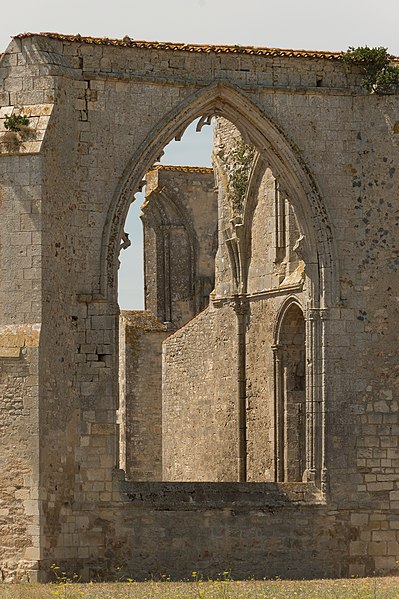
(140, 408)
(292, 402)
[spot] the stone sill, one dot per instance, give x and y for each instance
(195, 495)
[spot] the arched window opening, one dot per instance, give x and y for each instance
(291, 397)
(245, 248)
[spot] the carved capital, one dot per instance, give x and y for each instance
(317, 314)
(276, 351)
(324, 314)
(241, 305)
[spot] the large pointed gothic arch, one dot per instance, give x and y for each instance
(231, 103)
(273, 149)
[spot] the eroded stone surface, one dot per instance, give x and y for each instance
(333, 150)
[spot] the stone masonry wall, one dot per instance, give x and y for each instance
(115, 106)
(20, 319)
(19, 509)
(199, 418)
(180, 241)
(220, 524)
(140, 410)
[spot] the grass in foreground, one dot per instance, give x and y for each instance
(362, 588)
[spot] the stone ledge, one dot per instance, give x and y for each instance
(203, 495)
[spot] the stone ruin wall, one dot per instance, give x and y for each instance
(180, 228)
(140, 405)
(102, 111)
(204, 352)
(199, 413)
(180, 241)
(19, 441)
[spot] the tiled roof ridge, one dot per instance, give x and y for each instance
(199, 48)
(186, 169)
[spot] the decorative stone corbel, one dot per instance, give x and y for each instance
(125, 241)
(204, 120)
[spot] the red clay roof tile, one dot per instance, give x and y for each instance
(199, 48)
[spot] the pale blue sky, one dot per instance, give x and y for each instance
(308, 24)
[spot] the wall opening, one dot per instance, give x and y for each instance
(193, 149)
(291, 396)
(163, 234)
(131, 270)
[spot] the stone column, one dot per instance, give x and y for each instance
(315, 396)
(278, 417)
(241, 308)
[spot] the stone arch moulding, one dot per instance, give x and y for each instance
(233, 104)
(292, 414)
(287, 303)
(315, 392)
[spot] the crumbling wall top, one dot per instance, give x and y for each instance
(142, 319)
(198, 48)
(156, 172)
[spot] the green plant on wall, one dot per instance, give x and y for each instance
(379, 74)
(242, 157)
(16, 122)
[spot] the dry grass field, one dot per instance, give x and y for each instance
(365, 588)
